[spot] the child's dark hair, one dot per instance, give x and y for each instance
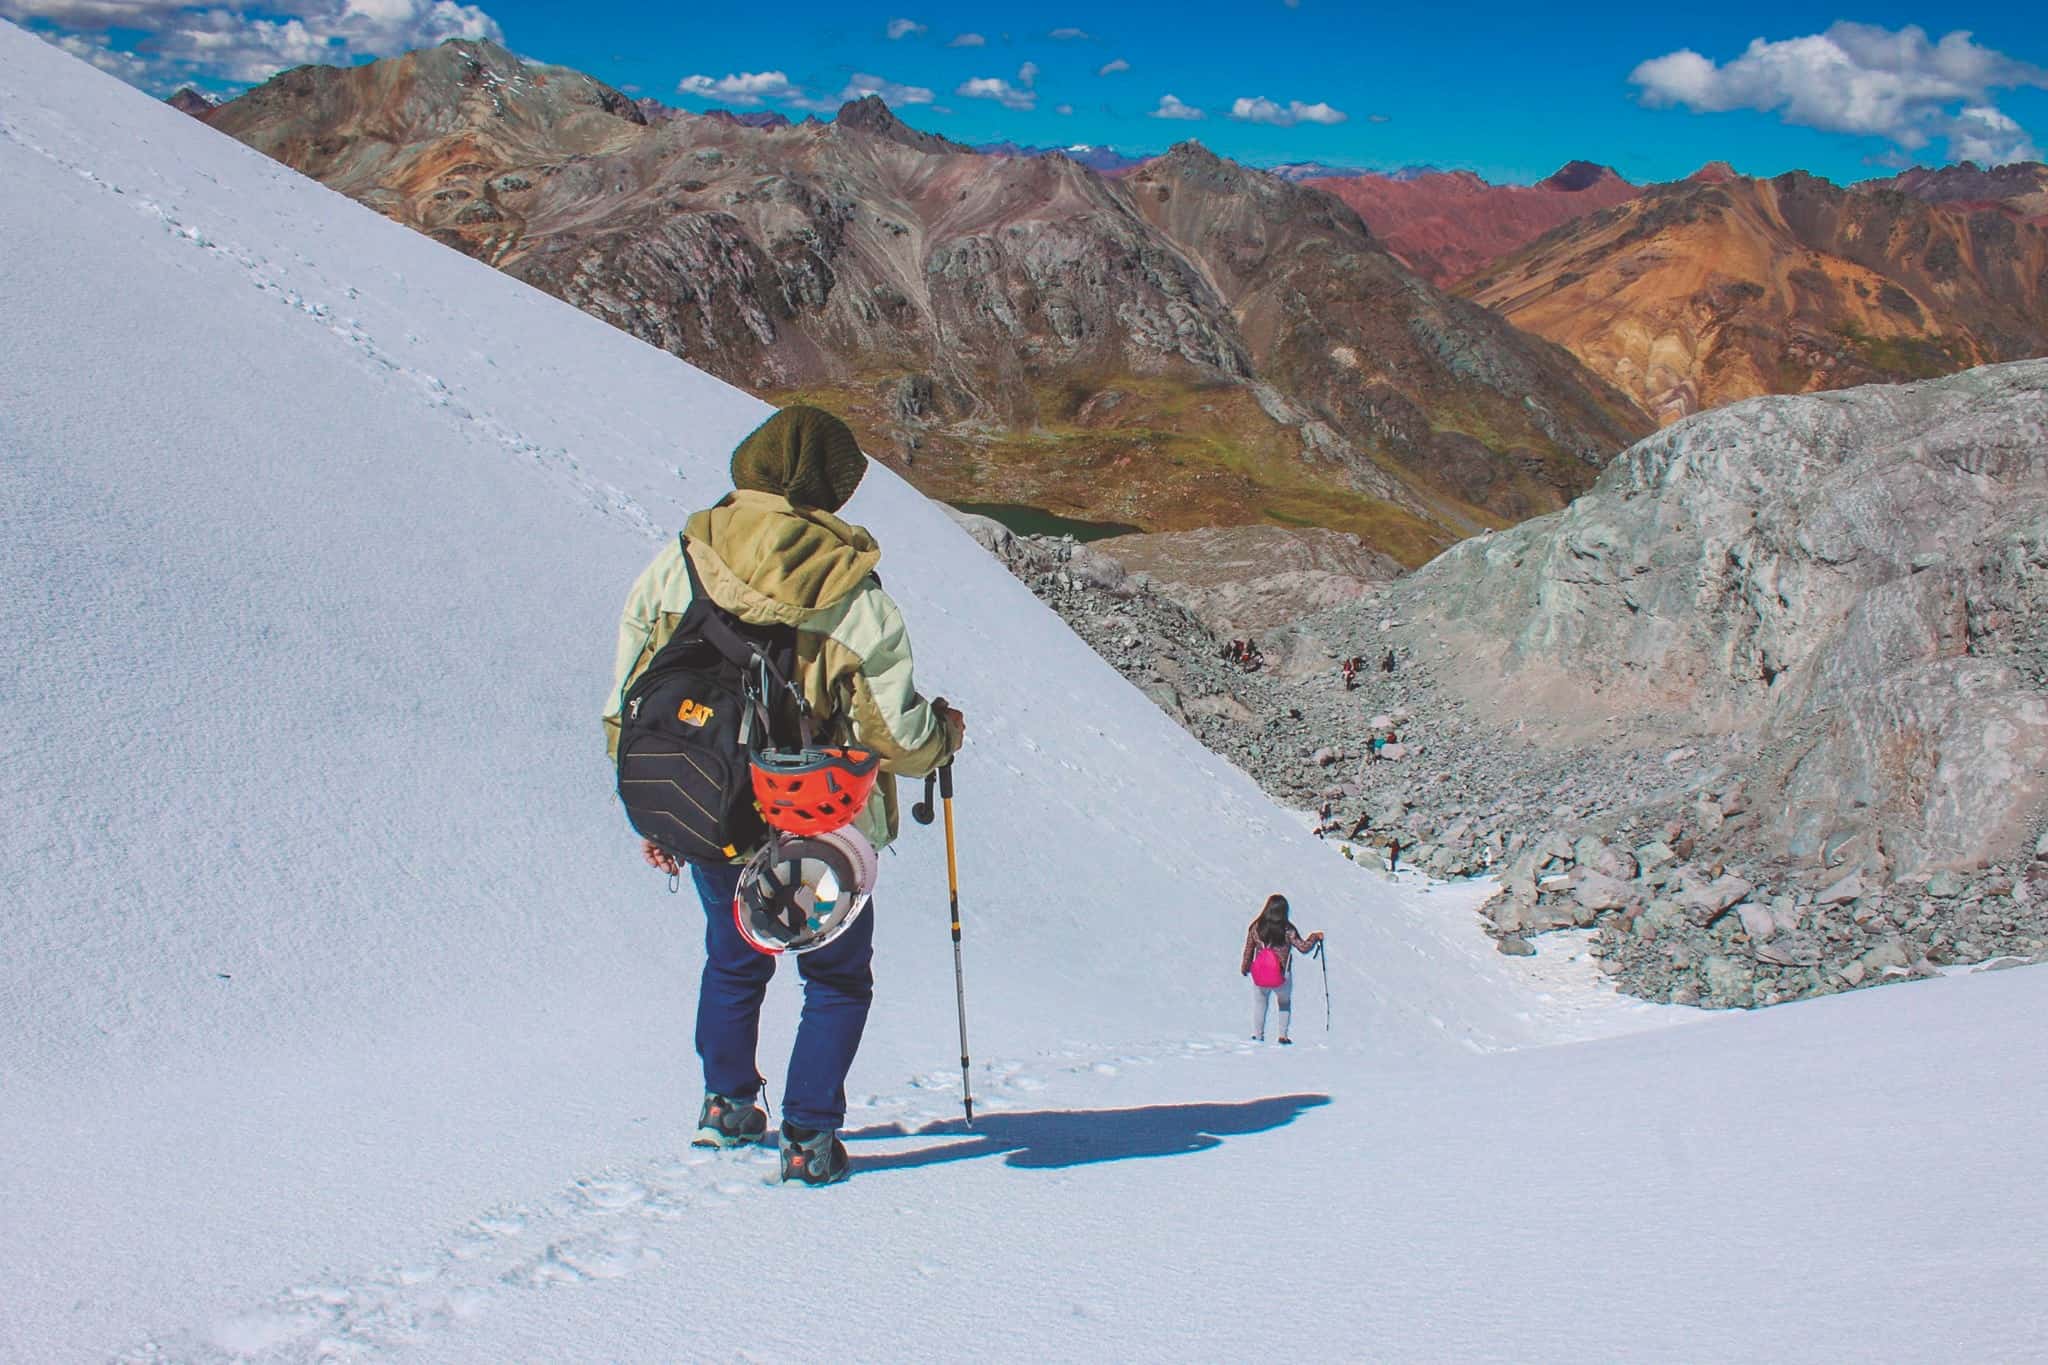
(1272, 921)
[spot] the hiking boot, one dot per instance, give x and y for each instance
(725, 1122)
(814, 1156)
(1286, 1042)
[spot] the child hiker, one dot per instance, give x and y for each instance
(1270, 944)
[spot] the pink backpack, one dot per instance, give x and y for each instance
(1268, 970)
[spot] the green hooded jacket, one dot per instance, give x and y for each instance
(768, 561)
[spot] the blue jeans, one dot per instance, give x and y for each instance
(838, 987)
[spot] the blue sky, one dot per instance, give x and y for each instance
(1501, 89)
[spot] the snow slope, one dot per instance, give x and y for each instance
(340, 1017)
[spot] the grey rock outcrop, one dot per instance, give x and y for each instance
(1630, 768)
(1856, 580)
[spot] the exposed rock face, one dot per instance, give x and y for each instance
(1767, 710)
(1858, 581)
(1245, 580)
(1446, 225)
(1721, 288)
(1193, 344)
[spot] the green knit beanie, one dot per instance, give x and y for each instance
(805, 454)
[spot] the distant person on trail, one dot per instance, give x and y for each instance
(1394, 854)
(1270, 944)
(772, 552)
(1387, 664)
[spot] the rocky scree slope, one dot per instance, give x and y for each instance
(1721, 288)
(1766, 711)
(1191, 344)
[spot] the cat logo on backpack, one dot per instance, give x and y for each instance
(693, 713)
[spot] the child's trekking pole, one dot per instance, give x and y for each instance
(1320, 945)
(922, 813)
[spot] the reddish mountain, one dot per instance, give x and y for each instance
(1720, 287)
(1448, 224)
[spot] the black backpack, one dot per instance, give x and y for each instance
(690, 723)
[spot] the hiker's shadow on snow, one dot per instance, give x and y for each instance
(1051, 1139)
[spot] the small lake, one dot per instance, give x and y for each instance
(1036, 521)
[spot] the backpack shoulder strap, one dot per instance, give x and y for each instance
(709, 619)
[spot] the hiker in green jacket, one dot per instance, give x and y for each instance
(773, 552)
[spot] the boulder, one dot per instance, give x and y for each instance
(1596, 891)
(1756, 922)
(1888, 956)
(1709, 902)
(1944, 886)
(1849, 888)
(1514, 945)
(1655, 855)
(1730, 980)
(1613, 862)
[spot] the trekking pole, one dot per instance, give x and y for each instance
(922, 813)
(1320, 945)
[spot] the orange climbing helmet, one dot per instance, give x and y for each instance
(813, 790)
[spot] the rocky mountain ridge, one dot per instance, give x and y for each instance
(2020, 188)
(1192, 343)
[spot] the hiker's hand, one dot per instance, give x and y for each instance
(659, 858)
(955, 723)
(1316, 937)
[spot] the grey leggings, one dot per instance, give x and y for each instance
(1285, 992)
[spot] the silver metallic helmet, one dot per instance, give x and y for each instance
(802, 891)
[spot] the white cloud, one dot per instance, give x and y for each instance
(1063, 109)
(1067, 35)
(746, 87)
(1171, 107)
(1982, 134)
(1110, 68)
(904, 28)
(1259, 109)
(1027, 75)
(1863, 80)
(968, 40)
(861, 85)
(997, 89)
(242, 43)
(95, 51)
(93, 14)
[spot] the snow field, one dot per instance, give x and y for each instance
(342, 1019)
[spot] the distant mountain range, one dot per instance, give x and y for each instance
(1177, 341)
(1188, 343)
